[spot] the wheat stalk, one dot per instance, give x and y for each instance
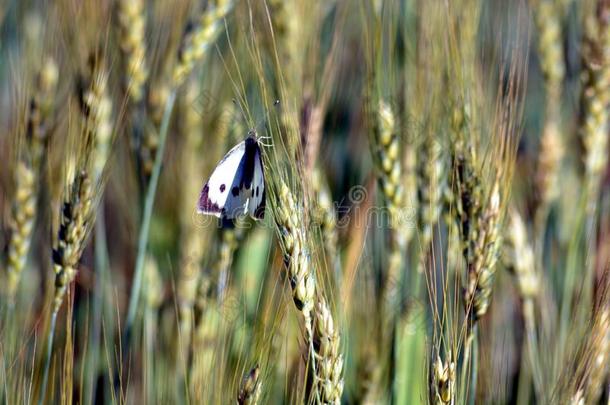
(430, 175)
(296, 256)
(132, 22)
(483, 252)
(325, 360)
(76, 218)
(519, 257)
(97, 109)
(197, 43)
(547, 16)
(193, 240)
(595, 100)
(207, 323)
(386, 147)
(329, 361)
(192, 51)
(209, 302)
(156, 100)
(78, 211)
(324, 214)
(27, 175)
(600, 349)
(23, 216)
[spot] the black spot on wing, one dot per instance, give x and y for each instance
(235, 191)
(206, 205)
(222, 188)
(259, 212)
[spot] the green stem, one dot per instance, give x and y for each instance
(571, 271)
(466, 364)
(101, 267)
(474, 370)
(146, 217)
(47, 362)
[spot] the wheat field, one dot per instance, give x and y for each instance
(437, 202)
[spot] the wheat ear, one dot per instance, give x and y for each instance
(482, 258)
(386, 147)
(430, 175)
(296, 257)
(600, 342)
(250, 389)
(325, 360)
(442, 384)
(193, 240)
(199, 41)
(75, 223)
(329, 361)
(27, 175)
(595, 99)
(325, 216)
(547, 16)
(519, 257)
(132, 22)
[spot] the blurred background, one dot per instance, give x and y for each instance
(437, 202)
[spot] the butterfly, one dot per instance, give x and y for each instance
(237, 184)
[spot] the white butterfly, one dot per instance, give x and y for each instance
(237, 184)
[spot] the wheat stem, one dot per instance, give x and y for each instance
(145, 223)
(47, 361)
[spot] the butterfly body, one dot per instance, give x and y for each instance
(237, 184)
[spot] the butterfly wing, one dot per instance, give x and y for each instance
(256, 204)
(218, 195)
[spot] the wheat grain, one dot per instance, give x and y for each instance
(600, 349)
(324, 214)
(97, 109)
(296, 257)
(27, 175)
(321, 336)
(329, 361)
(24, 212)
(153, 291)
(193, 240)
(149, 143)
(76, 218)
(519, 256)
(482, 260)
(442, 386)
(430, 189)
(547, 17)
(197, 43)
(595, 100)
(386, 146)
(132, 23)
(250, 390)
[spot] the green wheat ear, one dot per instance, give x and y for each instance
(27, 174)
(547, 16)
(132, 23)
(198, 43)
